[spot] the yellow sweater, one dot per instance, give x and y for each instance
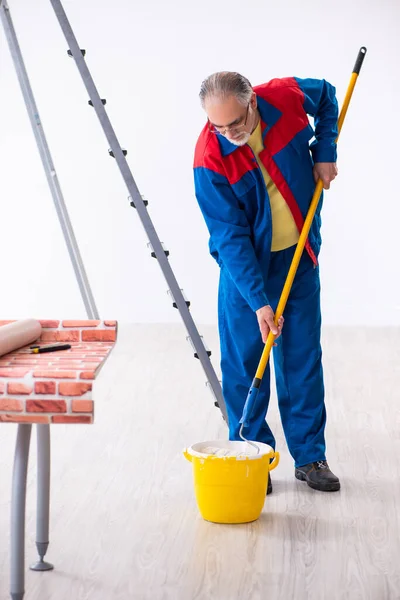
(284, 229)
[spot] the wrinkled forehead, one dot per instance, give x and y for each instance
(224, 111)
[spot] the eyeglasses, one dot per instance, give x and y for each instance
(234, 126)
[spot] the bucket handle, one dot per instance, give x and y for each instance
(275, 462)
(187, 455)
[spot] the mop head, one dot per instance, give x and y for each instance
(224, 452)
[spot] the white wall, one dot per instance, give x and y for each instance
(148, 59)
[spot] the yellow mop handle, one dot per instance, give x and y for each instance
(307, 224)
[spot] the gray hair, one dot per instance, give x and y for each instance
(225, 84)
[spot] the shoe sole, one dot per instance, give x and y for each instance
(329, 487)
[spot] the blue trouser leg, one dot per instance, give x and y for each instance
(241, 349)
(297, 360)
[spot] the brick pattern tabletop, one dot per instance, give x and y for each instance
(55, 387)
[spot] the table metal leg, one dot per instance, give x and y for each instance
(43, 497)
(18, 506)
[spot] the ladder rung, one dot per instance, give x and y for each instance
(194, 348)
(111, 153)
(83, 52)
(145, 202)
(153, 254)
(174, 304)
(103, 101)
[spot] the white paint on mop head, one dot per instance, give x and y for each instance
(222, 452)
(224, 449)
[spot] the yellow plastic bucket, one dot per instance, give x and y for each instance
(231, 489)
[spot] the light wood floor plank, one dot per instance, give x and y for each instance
(124, 523)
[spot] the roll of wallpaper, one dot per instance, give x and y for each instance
(18, 334)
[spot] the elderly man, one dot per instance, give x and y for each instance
(255, 172)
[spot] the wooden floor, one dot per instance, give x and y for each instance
(124, 523)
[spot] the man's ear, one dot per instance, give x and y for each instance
(253, 101)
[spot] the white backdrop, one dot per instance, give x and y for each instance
(148, 59)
